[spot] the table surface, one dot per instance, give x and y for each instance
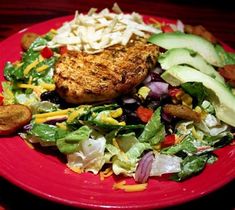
(218, 17)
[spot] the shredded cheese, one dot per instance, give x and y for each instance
(76, 169)
(30, 66)
(44, 119)
(106, 173)
(47, 86)
(29, 144)
(42, 86)
(42, 68)
(94, 31)
(50, 114)
(129, 188)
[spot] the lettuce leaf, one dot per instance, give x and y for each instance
(191, 165)
(90, 155)
(125, 163)
(15, 73)
(226, 57)
(154, 130)
(70, 143)
(196, 90)
(45, 133)
(186, 146)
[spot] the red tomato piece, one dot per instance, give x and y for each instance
(167, 29)
(46, 52)
(144, 113)
(1, 99)
(174, 91)
(63, 50)
(228, 72)
(169, 140)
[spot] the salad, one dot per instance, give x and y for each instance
(170, 123)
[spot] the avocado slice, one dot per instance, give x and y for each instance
(190, 41)
(219, 95)
(177, 56)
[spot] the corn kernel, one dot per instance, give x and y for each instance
(116, 113)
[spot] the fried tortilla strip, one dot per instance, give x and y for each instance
(228, 72)
(182, 112)
(13, 117)
(200, 31)
(27, 39)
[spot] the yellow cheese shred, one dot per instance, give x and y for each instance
(129, 188)
(106, 173)
(30, 66)
(42, 68)
(44, 119)
(46, 86)
(51, 114)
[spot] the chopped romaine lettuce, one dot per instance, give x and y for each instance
(90, 155)
(191, 165)
(154, 130)
(196, 90)
(226, 57)
(164, 164)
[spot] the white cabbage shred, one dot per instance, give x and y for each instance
(93, 32)
(164, 164)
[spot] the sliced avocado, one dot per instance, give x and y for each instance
(190, 41)
(185, 56)
(219, 95)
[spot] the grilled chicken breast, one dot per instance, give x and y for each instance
(88, 78)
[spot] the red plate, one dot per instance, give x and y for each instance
(45, 175)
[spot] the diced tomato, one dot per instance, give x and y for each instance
(46, 52)
(174, 91)
(169, 140)
(63, 50)
(1, 99)
(228, 72)
(167, 29)
(144, 113)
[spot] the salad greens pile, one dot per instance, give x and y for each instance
(119, 135)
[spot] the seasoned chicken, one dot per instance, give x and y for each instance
(87, 78)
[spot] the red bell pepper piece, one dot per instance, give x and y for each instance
(169, 140)
(144, 113)
(46, 52)
(1, 99)
(174, 91)
(167, 29)
(63, 50)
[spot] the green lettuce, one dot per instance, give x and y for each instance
(46, 134)
(191, 165)
(226, 57)
(154, 130)
(90, 154)
(126, 162)
(196, 90)
(70, 142)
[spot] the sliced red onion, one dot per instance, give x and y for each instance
(155, 77)
(157, 70)
(147, 79)
(158, 89)
(144, 167)
(166, 117)
(129, 100)
(27, 127)
(180, 26)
